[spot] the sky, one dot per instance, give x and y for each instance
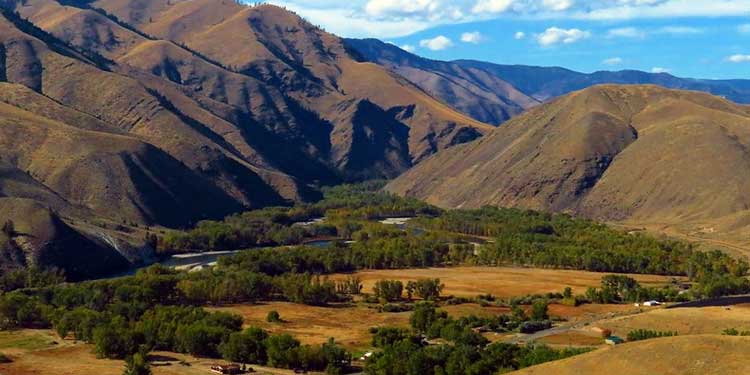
(687, 38)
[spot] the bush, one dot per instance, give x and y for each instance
(4, 358)
(273, 317)
(136, 365)
(645, 334)
(535, 326)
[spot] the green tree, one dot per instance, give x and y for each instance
(273, 317)
(539, 310)
(281, 351)
(136, 365)
(245, 347)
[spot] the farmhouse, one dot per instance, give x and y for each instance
(651, 303)
(226, 369)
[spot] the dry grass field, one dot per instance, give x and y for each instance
(499, 281)
(78, 360)
(685, 321)
(682, 355)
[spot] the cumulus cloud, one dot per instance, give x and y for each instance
(658, 69)
(491, 6)
(394, 18)
(626, 32)
(519, 35)
(473, 37)
(612, 61)
(408, 48)
(739, 58)
(437, 43)
(399, 7)
(556, 35)
(558, 5)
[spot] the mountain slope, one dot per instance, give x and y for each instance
(483, 96)
(494, 93)
(545, 83)
(636, 153)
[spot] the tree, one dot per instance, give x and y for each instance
(245, 347)
(388, 290)
(429, 289)
(281, 351)
(9, 228)
(424, 316)
(568, 292)
(539, 310)
(136, 365)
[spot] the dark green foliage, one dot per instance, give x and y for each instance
(535, 326)
(645, 334)
(282, 351)
(273, 317)
(539, 310)
(386, 336)
(424, 315)
(735, 332)
(388, 290)
(428, 289)
(136, 365)
(4, 358)
(245, 347)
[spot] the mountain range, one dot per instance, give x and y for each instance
(120, 115)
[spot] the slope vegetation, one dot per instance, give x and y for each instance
(623, 153)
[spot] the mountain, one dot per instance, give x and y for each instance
(636, 153)
(123, 114)
(473, 91)
(493, 93)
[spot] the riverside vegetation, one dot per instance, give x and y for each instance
(162, 309)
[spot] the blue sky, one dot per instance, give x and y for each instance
(689, 38)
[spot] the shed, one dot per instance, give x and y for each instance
(614, 340)
(226, 369)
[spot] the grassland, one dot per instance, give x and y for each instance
(501, 282)
(683, 355)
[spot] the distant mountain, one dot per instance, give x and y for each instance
(475, 92)
(122, 114)
(494, 93)
(635, 153)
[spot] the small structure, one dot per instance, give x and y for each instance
(614, 340)
(365, 356)
(651, 303)
(230, 369)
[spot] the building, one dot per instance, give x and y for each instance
(651, 303)
(226, 369)
(614, 340)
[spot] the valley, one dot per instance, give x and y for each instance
(190, 186)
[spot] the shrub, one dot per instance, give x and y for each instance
(645, 334)
(4, 358)
(273, 317)
(535, 326)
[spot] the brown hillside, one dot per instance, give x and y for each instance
(636, 153)
(683, 355)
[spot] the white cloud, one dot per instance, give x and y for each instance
(680, 30)
(491, 6)
(612, 61)
(626, 32)
(739, 58)
(556, 35)
(472, 37)
(744, 28)
(658, 69)
(408, 48)
(437, 43)
(395, 18)
(558, 5)
(519, 35)
(399, 7)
